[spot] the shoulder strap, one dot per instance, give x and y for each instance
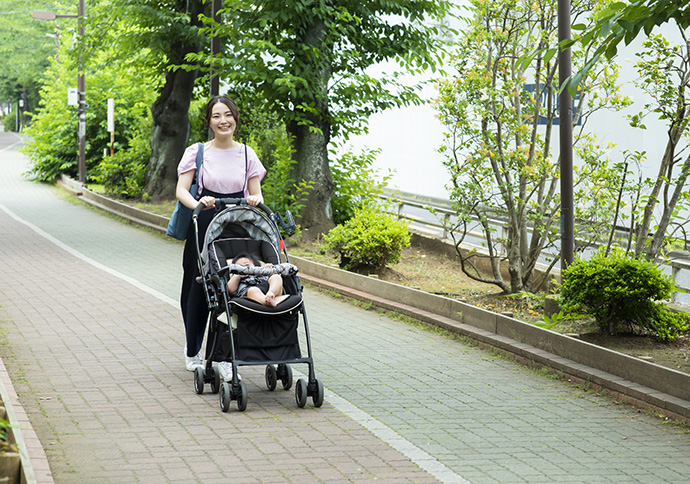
(200, 156)
(199, 162)
(246, 167)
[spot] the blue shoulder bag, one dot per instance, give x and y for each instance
(182, 216)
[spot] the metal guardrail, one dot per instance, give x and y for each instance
(678, 266)
(404, 200)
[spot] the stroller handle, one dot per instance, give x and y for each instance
(230, 201)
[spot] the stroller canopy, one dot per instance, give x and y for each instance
(240, 221)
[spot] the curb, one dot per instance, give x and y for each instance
(640, 383)
(35, 468)
(626, 378)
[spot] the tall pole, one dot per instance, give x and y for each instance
(81, 89)
(565, 107)
(215, 48)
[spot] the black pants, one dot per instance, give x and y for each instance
(192, 298)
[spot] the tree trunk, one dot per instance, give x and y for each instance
(170, 112)
(170, 133)
(311, 154)
(662, 179)
(311, 138)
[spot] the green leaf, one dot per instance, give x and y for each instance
(549, 54)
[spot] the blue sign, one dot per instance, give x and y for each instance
(544, 98)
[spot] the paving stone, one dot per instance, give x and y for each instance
(93, 343)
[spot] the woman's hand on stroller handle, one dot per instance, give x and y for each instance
(229, 201)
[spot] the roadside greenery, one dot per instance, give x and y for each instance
(657, 219)
(371, 239)
(499, 114)
(54, 146)
(356, 183)
(25, 49)
(623, 294)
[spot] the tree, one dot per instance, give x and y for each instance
(655, 204)
(310, 60)
(25, 50)
(499, 135)
(110, 73)
(622, 22)
(170, 30)
(664, 71)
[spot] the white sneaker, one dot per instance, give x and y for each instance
(193, 362)
(225, 369)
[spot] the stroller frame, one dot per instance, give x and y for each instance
(220, 302)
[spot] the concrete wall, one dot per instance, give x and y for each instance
(510, 334)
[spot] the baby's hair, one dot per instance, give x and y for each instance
(247, 255)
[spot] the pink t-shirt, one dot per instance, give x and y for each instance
(223, 171)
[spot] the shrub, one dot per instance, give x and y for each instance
(9, 120)
(370, 239)
(124, 172)
(622, 293)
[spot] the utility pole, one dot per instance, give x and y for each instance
(81, 85)
(215, 48)
(565, 107)
(81, 88)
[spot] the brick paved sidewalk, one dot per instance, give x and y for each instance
(94, 348)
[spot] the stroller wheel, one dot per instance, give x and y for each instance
(225, 396)
(285, 375)
(242, 397)
(271, 377)
(199, 380)
(317, 395)
(301, 393)
(215, 380)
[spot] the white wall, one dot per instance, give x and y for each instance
(409, 137)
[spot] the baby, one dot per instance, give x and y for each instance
(266, 290)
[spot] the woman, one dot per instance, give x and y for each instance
(229, 170)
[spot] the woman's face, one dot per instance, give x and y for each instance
(222, 122)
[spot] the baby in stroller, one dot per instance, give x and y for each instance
(266, 290)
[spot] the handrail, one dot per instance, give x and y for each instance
(677, 265)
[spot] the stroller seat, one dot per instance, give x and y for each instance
(263, 332)
(242, 331)
(285, 306)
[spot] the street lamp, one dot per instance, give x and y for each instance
(81, 85)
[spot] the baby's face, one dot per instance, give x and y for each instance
(244, 261)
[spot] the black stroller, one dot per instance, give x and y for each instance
(263, 335)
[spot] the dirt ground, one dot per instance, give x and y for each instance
(439, 274)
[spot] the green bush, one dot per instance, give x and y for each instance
(622, 294)
(370, 239)
(9, 121)
(124, 173)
